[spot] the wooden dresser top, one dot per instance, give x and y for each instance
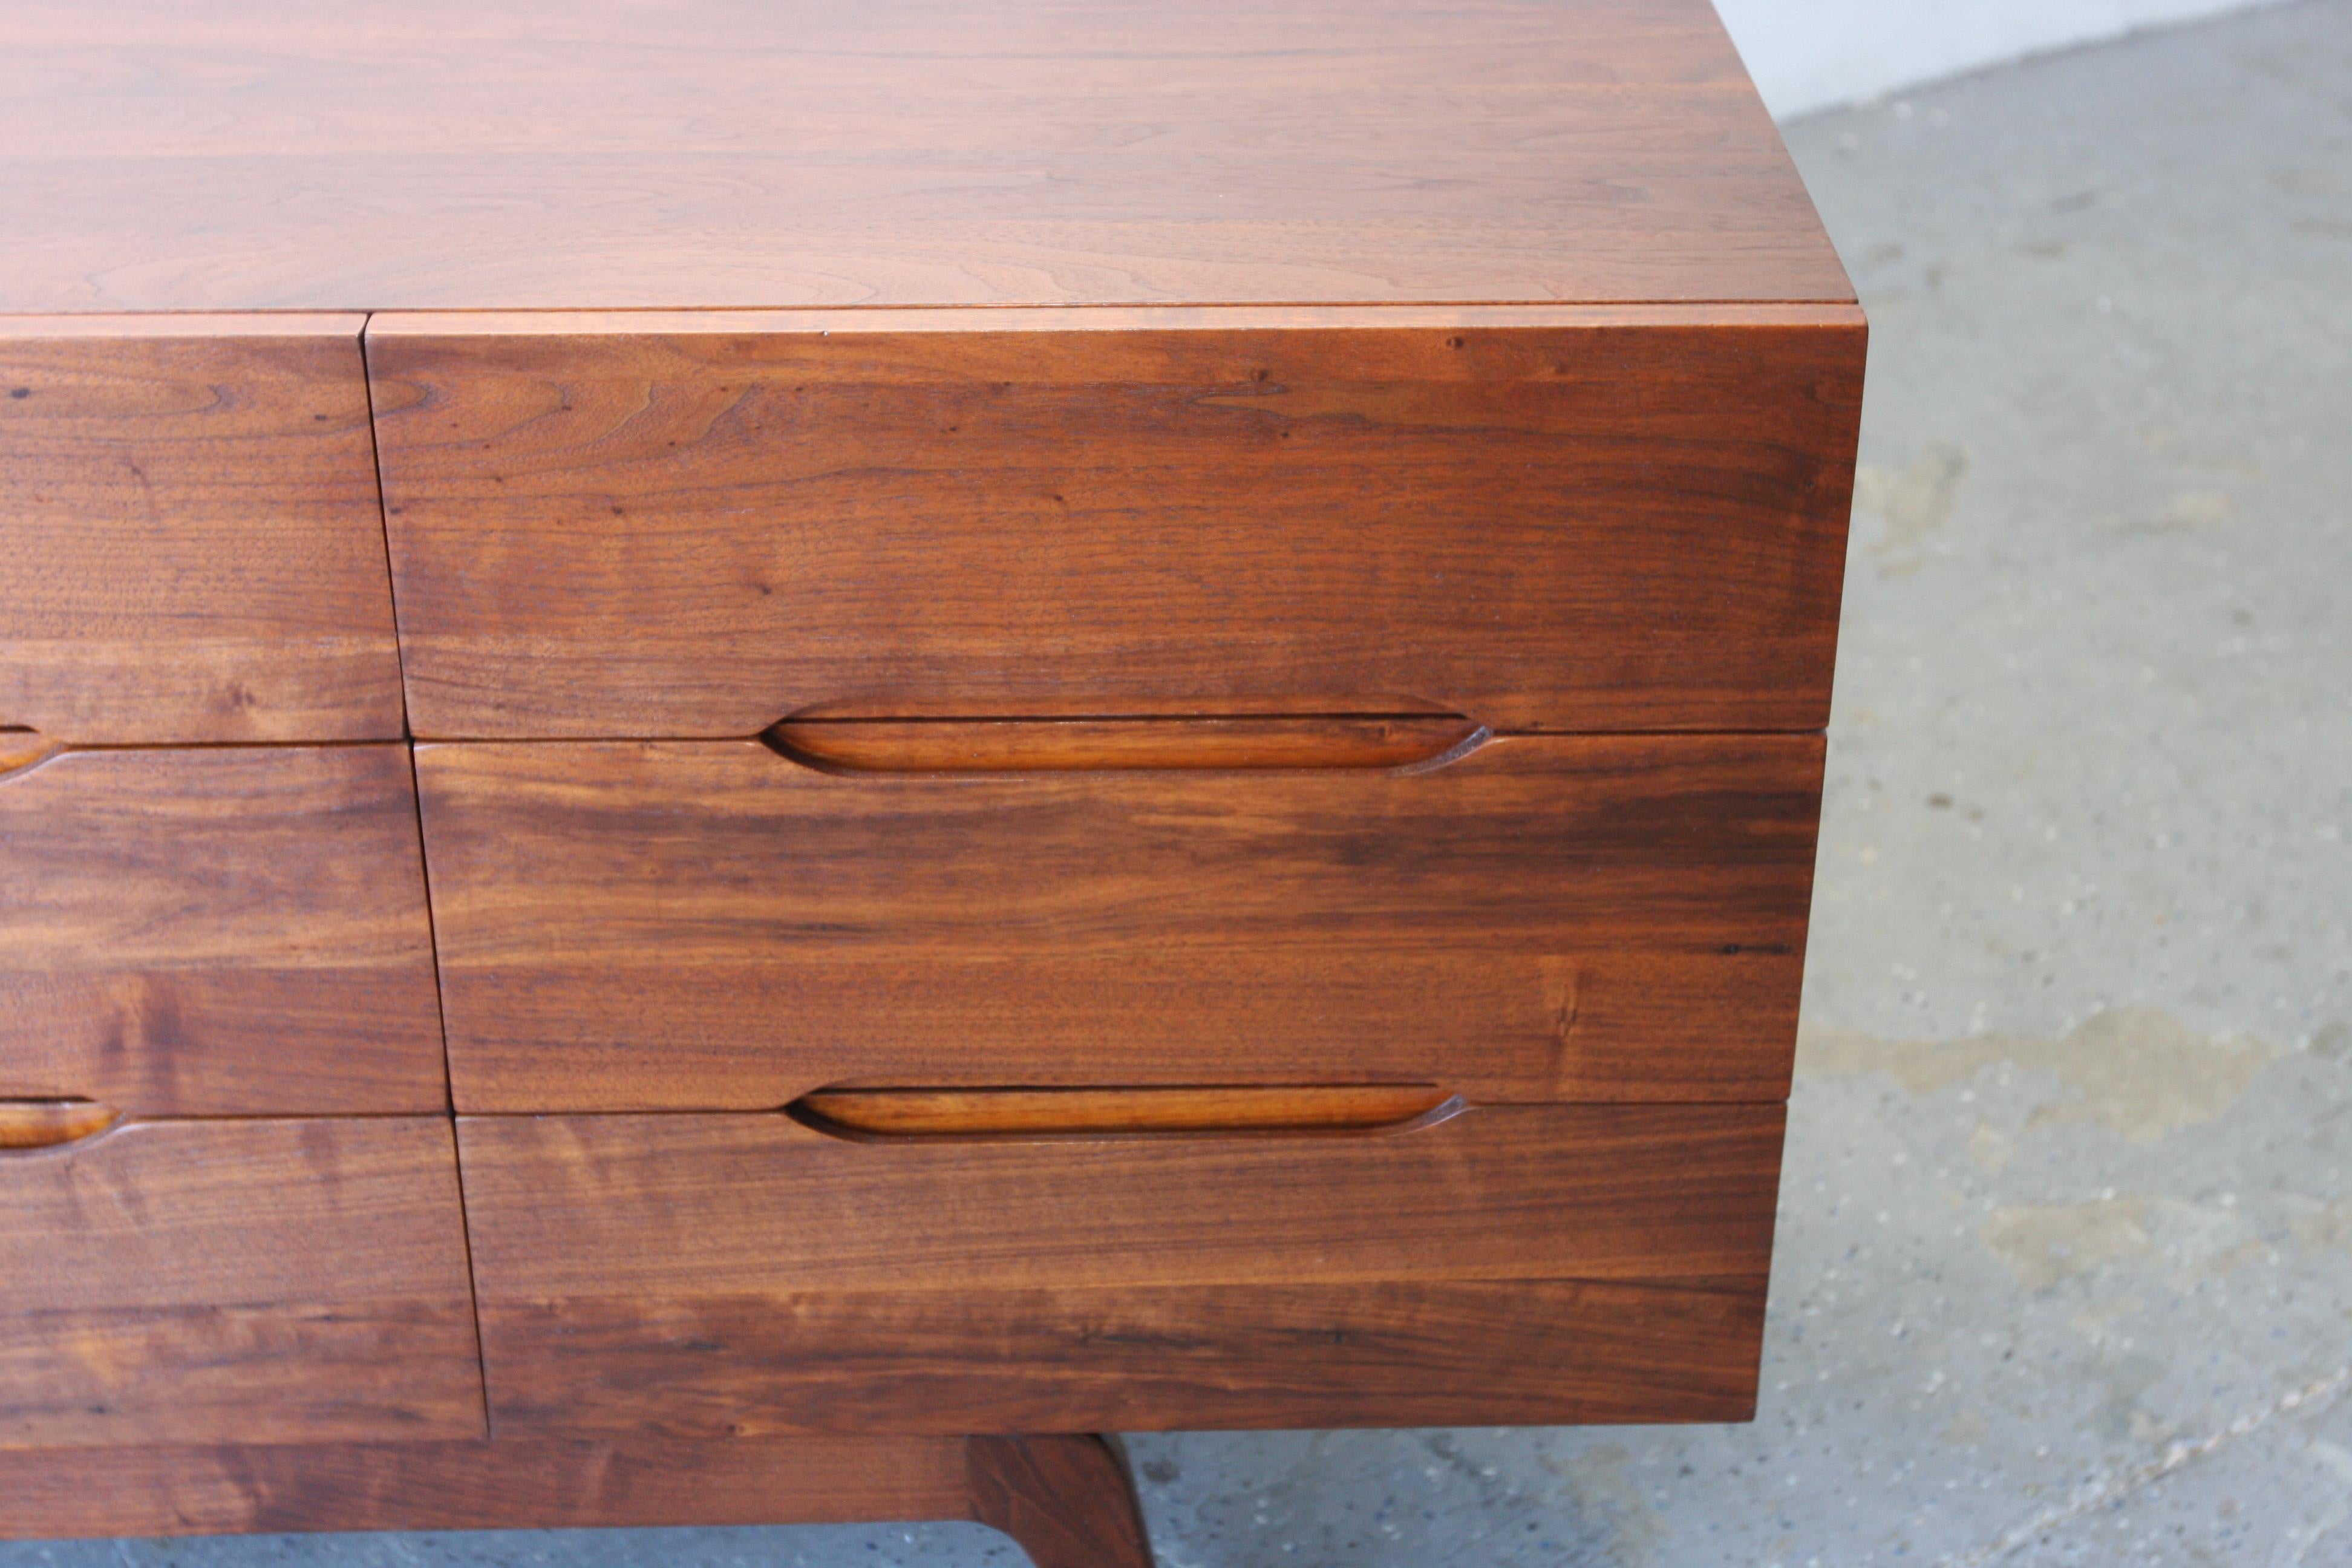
(277, 155)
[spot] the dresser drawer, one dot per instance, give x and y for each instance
(709, 925)
(1628, 518)
(195, 549)
(236, 1281)
(747, 1273)
(217, 931)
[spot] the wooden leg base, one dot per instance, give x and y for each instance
(1069, 1500)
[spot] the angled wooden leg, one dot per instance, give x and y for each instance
(1069, 1500)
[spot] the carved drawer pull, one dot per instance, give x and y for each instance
(45, 1123)
(22, 747)
(1058, 745)
(1000, 1112)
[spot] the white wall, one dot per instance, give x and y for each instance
(1813, 54)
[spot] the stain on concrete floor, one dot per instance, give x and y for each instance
(2065, 1261)
(2133, 1069)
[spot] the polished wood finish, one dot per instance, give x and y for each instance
(1070, 1500)
(193, 550)
(1000, 1112)
(703, 1275)
(45, 1124)
(708, 925)
(251, 155)
(236, 1281)
(1088, 745)
(945, 1359)
(217, 931)
(576, 1206)
(698, 525)
(512, 1483)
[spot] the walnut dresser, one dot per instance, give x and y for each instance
(758, 757)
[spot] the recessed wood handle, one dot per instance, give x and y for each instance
(21, 746)
(45, 1123)
(1061, 745)
(1000, 1112)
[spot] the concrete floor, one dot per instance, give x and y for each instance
(2065, 1260)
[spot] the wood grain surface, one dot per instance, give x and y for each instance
(696, 525)
(513, 1483)
(743, 1273)
(251, 155)
(236, 1281)
(194, 550)
(708, 925)
(1510, 1353)
(669, 1205)
(217, 930)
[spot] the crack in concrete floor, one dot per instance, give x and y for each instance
(2174, 1455)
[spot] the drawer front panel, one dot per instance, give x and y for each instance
(710, 925)
(509, 1484)
(217, 931)
(194, 546)
(236, 1281)
(694, 526)
(744, 1273)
